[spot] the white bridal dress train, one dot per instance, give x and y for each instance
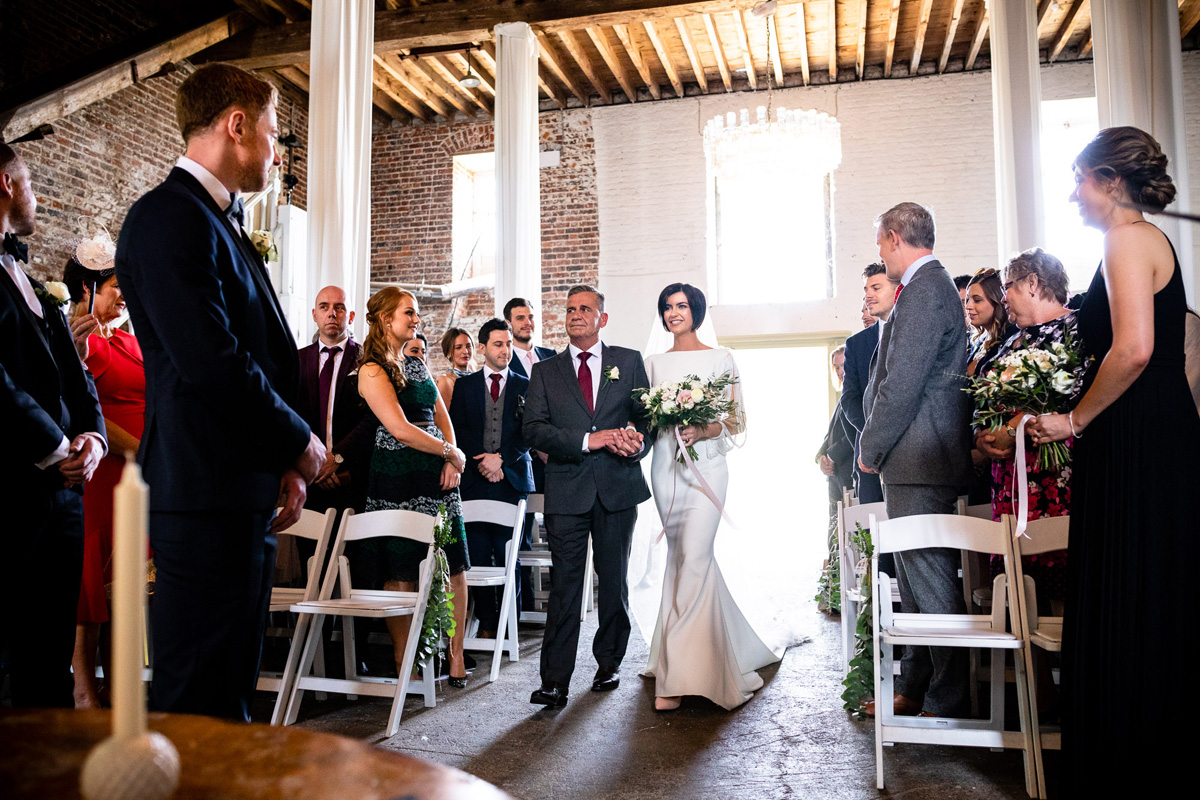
(702, 644)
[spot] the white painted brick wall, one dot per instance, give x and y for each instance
(925, 139)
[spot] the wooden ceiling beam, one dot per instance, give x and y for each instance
(551, 60)
(951, 30)
(689, 47)
(893, 22)
(295, 77)
(450, 91)
(664, 57)
(454, 23)
(290, 9)
(20, 119)
(833, 53)
(394, 69)
(259, 12)
(776, 60)
(391, 88)
(584, 61)
(802, 42)
(1188, 20)
(860, 55)
(1043, 11)
(388, 105)
(456, 65)
(743, 42)
(981, 28)
(638, 59)
(609, 55)
(1066, 30)
(919, 40)
(451, 75)
(1087, 48)
(485, 60)
(718, 51)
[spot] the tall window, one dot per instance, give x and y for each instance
(771, 210)
(474, 224)
(1067, 126)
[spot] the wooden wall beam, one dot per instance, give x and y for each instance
(951, 30)
(664, 57)
(638, 58)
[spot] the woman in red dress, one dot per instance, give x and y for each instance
(115, 361)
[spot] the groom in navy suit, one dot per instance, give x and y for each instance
(223, 447)
(55, 437)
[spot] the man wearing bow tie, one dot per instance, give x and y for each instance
(223, 447)
(56, 440)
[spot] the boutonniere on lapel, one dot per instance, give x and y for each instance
(520, 406)
(54, 293)
(611, 374)
(264, 243)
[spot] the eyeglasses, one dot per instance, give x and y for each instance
(1012, 283)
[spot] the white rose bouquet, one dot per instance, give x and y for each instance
(264, 243)
(1036, 380)
(676, 404)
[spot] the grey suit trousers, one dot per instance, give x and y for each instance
(929, 584)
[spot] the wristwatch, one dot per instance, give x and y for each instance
(337, 458)
(1010, 430)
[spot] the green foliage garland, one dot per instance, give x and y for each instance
(439, 613)
(829, 586)
(860, 682)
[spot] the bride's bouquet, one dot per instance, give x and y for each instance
(1038, 381)
(677, 404)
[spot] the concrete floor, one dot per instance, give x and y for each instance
(791, 740)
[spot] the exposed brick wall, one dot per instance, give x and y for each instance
(105, 156)
(411, 217)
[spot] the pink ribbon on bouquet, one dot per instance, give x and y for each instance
(1022, 476)
(708, 491)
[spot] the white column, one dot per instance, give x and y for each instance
(1139, 82)
(339, 151)
(518, 194)
(1016, 121)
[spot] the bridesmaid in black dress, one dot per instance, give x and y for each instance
(1129, 650)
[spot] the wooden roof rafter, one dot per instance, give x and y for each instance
(833, 43)
(552, 60)
(773, 50)
(743, 43)
(638, 59)
(981, 29)
(893, 26)
(1066, 29)
(951, 30)
(802, 41)
(664, 57)
(860, 55)
(394, 69)
(449, 91)
(919, 40)
(584, 61)
(718, 49)
(689, 47)
(609, 56)
(387, 86)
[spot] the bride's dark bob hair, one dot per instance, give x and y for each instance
(695, 299)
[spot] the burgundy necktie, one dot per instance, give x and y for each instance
(326, 383)
(495, 376)
(899, 289)
(585, 382)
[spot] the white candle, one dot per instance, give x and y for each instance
(130, 520)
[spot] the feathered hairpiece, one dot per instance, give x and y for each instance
(97, 253)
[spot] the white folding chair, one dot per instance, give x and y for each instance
(848, 559)
(977, 590)
(498, 513)
(987, 631)
(1044, 535)
(375, 604)
(316, 527)
(539, 559)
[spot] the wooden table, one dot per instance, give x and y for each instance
(42, 753)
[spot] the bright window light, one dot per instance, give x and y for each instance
(1067, 126)
(474, 215)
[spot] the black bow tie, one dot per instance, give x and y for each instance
(237, 211)
(16, 248)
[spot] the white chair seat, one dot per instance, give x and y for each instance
(935, 637)
(513, 516)
(1047, 638)
(375, 609)
(486, 576)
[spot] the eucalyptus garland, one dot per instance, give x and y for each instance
(829, 585)
(439, 612)
(860, 681)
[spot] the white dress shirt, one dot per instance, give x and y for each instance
(594, 365)
(488, 372)
(220, 193)
(337, 365)
(913, 267)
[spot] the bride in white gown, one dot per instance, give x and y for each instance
(702, 643)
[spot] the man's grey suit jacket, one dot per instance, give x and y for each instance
(918, 416)
(557, 419)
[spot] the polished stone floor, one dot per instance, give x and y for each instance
(792, 740)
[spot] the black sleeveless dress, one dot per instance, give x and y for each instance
(1129, 645)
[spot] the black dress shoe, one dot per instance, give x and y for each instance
(551, 694)
(607, 679)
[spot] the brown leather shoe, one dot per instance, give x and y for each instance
(901, 707)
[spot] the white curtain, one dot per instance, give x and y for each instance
(518, 195)
(339, 151)
(1139, 82)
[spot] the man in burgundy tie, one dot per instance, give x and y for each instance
(581, 412)
(328, 401)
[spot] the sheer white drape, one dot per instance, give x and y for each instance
(339, 150)
(518, 194)
(1139, 82)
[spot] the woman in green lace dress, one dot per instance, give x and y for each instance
(416, 465)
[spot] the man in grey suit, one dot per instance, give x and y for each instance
(916, 438)
(580, 411)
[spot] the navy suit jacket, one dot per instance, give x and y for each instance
(859, 350)
(45, 393)
(221, 364)
(515, 365)
(468, 415)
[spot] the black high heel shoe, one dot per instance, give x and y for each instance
(457, 683)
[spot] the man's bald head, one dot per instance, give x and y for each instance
(331, 315)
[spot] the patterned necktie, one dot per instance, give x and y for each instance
(326, 384)
(585, 382)
(495, 376)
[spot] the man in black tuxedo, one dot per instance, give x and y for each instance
(223, 447)
(581, 412)
(486, 413)
(56, 440)
(880, 293)
(328, 401)
(518, 313)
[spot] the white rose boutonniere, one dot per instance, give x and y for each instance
(265, 245)
(54, 292)
(611, 374)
